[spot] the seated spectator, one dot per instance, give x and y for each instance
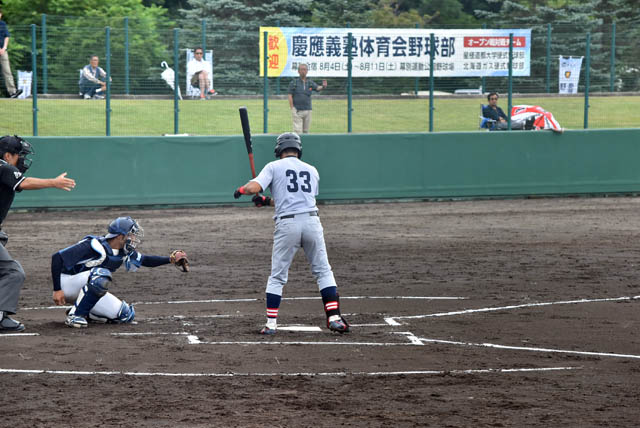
(493, 112)
(199, 70)
(93, 80)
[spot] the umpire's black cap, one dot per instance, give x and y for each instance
(11, 144)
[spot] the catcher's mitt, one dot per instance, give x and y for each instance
(179, 260)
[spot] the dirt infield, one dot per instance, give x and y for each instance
(475, 313)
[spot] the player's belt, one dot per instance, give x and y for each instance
(310, 214)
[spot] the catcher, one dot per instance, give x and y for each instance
(82, 272)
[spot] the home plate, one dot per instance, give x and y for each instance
(299, 328)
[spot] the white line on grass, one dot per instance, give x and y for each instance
(329, 374)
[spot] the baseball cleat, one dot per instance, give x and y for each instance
(339, 325)
(76, 321)
(9, 325)
(267, 330)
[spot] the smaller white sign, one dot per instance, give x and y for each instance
(569, 75)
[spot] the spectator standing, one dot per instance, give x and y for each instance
(300, 90)
(4, 60)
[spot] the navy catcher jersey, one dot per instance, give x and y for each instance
(10, 179)
(93, 251)
(293, 185)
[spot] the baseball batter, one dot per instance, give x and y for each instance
(294, 186)
(81, 273)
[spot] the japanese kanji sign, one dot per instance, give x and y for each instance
(394, 52)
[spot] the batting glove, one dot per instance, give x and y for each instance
(261, 201)
(239, 192)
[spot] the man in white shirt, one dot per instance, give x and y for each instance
(199, 70)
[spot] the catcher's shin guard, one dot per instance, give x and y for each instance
(126, 314)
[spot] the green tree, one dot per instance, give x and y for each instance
(233, 35)
(340, 13)
(76, 29)
(570, 25)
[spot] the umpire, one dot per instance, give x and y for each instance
(14, 162)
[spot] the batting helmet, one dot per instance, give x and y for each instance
(288, 140)
(17, 146)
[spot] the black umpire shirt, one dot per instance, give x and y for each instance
(10, 178)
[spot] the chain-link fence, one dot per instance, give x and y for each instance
(140, 102)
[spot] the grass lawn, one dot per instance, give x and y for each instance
(59, 117)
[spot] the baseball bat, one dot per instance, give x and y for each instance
(244, 120)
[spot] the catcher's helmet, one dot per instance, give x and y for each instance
(17, 146)
(288, 140)
(128, 227)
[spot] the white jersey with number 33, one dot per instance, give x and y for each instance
(293, 185)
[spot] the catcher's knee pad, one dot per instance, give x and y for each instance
(126, 313)
(98, 282)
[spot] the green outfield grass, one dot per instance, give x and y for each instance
(57, 117)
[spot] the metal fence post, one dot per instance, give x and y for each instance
(34, 81)
(349, 85)
(176, 82)
(278, 78)
(548, 85)
(265, 114)
(126, 55)
(108, 99)
(417, 85)
(45, 90)
(587, 80)
(483, 81)
(203, 32)
(432, 53)
(612, 78)
(510, 81)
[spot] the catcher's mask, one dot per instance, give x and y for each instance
(128, 227)
(288, 140)
(17, 145)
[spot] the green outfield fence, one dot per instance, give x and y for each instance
(140, 103)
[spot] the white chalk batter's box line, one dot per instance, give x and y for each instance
(295, 374)
(187, 302)
(413, 340)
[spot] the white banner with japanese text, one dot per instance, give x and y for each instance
(394, 52)
(569, 75)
